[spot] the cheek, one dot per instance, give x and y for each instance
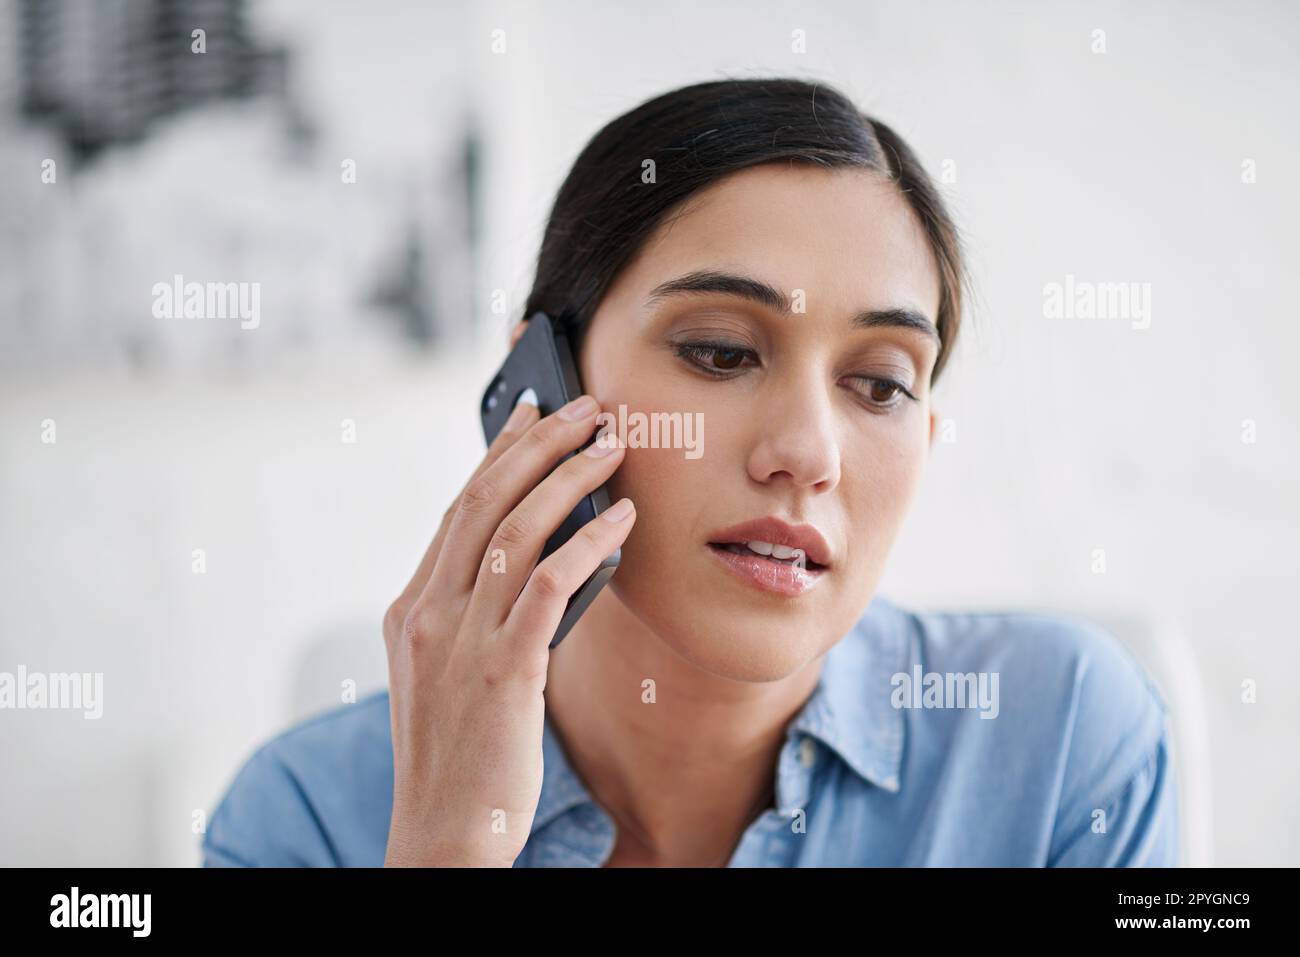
(673, 494)
(659, 481)
(878, 491)
(664, 485)
(653, 577)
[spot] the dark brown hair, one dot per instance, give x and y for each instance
(696, 135)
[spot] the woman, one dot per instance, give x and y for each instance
(762, 255)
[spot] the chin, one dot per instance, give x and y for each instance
(721, 633)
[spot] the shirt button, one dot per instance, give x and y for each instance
(807, 752)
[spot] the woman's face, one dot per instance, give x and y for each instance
(802, 420)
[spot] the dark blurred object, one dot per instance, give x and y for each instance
(101, 71)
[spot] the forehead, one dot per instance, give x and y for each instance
(846, 237)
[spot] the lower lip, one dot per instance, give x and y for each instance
(769, 576)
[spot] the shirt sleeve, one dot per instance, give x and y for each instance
(265, 820)
(1136, 826)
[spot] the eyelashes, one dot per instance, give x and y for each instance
(698, 352)
(700, 355)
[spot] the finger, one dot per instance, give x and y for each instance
(521, 536)
(542, 603)
(520, 421)
(501, 486)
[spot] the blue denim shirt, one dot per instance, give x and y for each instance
(1064, 760)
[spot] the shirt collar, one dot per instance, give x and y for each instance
(849, 711)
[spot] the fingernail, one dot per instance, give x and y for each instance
(518, 416)
(579, 408)
(618, 511)
(605, 443)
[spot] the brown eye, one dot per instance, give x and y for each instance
(728, 358)
(883, 391)
(881, 394)
(714, 358)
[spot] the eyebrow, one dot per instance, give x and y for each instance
(767, 295)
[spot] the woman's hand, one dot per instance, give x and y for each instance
(468, 642)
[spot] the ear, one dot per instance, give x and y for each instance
(517, 332)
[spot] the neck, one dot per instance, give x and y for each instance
(686, 763)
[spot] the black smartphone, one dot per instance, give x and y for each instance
(542, 361)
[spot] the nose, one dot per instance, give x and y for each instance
(797, 439)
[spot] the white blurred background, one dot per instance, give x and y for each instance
(1174, 449)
